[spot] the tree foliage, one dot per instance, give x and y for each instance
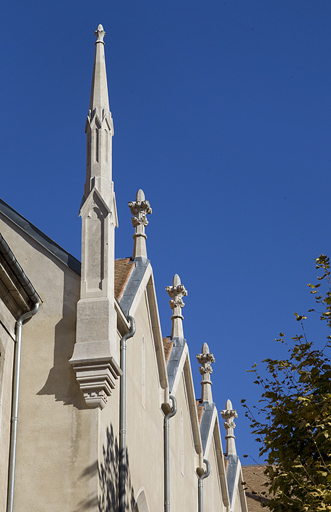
(293, 420)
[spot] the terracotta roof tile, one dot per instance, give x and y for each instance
(167, 347)
(123, 269)
(226, 464)
(254, 478)
(200, 409)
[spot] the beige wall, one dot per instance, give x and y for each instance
(7, 329)
(67, 454)
(212, 493)
(183, 457)
(144, 414)
(144, 425)
(145, 435)
(53, 425)
(237, 504)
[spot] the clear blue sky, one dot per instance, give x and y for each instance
(222, 115)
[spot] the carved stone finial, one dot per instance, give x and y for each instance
(205, 359)
(229, 414)
(139, 209)
(176, 292)
(100, 34)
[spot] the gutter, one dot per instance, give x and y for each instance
(122, 461)
(16, 268)
(202, 475)
(23, 280)
(167, 417)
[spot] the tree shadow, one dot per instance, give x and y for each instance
(109, 477)
(108, 474)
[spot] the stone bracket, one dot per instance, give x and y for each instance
(96, 379)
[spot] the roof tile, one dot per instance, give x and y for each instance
(123, 270)
(167, 347)
(200, 409)
(254, 478)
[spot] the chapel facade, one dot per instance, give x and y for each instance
(97, 409)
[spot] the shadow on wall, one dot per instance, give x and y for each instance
(61, 381)
(109, 477)
(108, 472)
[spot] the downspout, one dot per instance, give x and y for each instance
(14, 419)
(122, 461)
(202, 475)
(11, 262)
(166, 453)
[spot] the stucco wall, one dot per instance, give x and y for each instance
(183, 457)
(212, 493)
(68, 454)
(53, 425)
(7, 325)
(144, 425)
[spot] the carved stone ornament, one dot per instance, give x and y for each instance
(205, 359)
(96, 380)
(205, 369)
(229, 415)
(176, 292)
(230, 423)
(100, 34)
(139, 209)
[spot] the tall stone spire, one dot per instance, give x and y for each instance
(205, 359)
(139, 209)
(99, 90)
(229, 414)
(177, 291)
(99, 129)
(96, 353)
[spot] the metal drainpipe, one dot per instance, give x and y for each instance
(202, 476)
(16, 384)
(166, 454)
(122, 461)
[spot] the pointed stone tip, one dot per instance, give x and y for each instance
(176, 280)
(228, 405)
(205, 349)
(100, 33)
(140, 196)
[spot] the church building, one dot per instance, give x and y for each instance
(97, 409)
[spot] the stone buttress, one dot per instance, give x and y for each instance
(95, 357)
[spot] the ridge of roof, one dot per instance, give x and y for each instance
(132, 283)
(232, 475)
(206, 421)
(177, 349)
